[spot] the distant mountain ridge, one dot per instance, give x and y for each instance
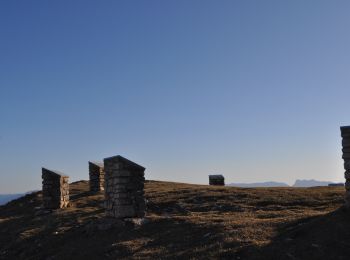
(298, 183)
(259, 184)
(310, 183)
(5, 198)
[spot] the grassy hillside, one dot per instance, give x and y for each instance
(183, 221)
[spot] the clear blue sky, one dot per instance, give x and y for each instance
(254, 90)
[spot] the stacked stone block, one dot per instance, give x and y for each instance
(97, 176)
(345, 133)
(55, 189)
(218, 180)
(124, 188)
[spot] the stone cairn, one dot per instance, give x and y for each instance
(345, 133)
(97, 176)
(218, 180)
(55, 189)
(124, 183)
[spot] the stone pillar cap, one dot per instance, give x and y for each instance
(345, 128)
(216, 176)
(99, 164)
(124, 161)
(54, 172)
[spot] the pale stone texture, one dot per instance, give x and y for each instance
(124, 188)
(216, 180)
(97, 176)
(345, 133)
(55, 189)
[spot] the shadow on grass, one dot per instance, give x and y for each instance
(320, 237)
(77, 196)
(42, 237)
(168, 238)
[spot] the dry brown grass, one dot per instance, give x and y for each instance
(185, 221)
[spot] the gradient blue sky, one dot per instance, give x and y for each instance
(254, 90)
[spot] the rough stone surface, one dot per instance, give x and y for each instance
(345, 133)
(97, 176)
(216, 180)
(137, 221)
(55, 189)
(124, 188)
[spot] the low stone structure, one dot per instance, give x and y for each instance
(97, 176)
(336, 185)
(216, 180)
(345, 133)
(124, 188)
(55, 189)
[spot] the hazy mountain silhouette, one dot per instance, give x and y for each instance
(298, 183)
(4, 198)
(259, 184)
(310, 183)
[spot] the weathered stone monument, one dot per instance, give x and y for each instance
(55, 189)
(345, 133)
(97, 176)
(216, 180)
(124, 184)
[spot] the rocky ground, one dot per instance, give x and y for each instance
(183, 221)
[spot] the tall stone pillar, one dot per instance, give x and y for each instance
(124, 188)
(345, 133)
(55, 189)
(97, 176)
